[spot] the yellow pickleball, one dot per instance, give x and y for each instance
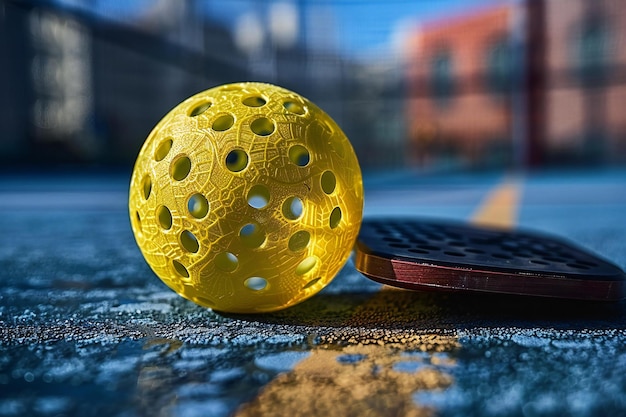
(246, 198)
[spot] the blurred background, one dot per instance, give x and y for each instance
(432, 85)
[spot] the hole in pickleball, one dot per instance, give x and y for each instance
(198, 206)
(262, 126)
(294, 107)
(199, 109)
(146, 187)
(162, 150)
(252, 235)
(258, 196)
(329, 182)
(180, 269)
(226, 261)
(138, 221)
(180, 168)
(254, 101)
(236, 160)
(189, 241)
(306, 265)
(293, 208)
(224, 122)
(335, 217)
(299, 155)
(256, 283)
(311, 283)
(299, 240)
(164, 217)
(452, 253)
(539, 262)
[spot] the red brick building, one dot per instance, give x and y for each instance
(537, 82)
(457, 103)
(585, 80)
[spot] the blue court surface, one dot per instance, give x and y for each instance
(86, 328)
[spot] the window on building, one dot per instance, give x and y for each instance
(592, 50)
(442, 80)
(499, 71)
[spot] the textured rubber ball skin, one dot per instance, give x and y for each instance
(246, 198)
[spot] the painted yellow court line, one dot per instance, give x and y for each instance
(320, 384)
(500, 208)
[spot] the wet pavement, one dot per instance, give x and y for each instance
(87, 329)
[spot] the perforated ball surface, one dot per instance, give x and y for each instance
(246, 198)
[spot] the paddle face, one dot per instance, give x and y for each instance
(423, 254)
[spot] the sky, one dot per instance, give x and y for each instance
(360, 27)
(356, 28)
